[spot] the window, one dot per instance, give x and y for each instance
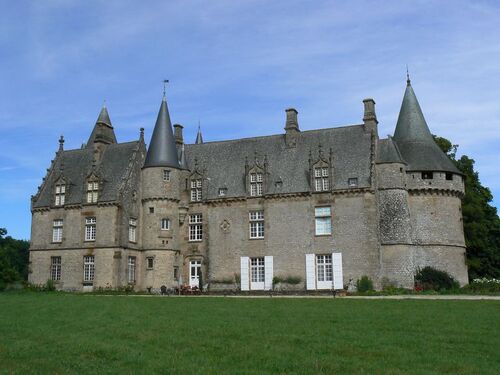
(132, 230)
(166, 175)
(256, 182)
(57, 230)
(150, 263)
(321, 180)
(90, 228)
(257, 270)
(176, 273)
(55, 268)
(60, 194)
(323, 220)
(324, 267)
(196, 190)
(352, 182)
(88, 268)
(165, 224)
(222, 192)
(427, 175)
(131, 270)
(151, 210)
(449, 176)
(195, 227)
(92, 191)
(256, 224)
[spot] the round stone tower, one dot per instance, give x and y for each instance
(162, 177)
(428, 226)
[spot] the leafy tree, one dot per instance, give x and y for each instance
(14, 257)
(481, 221)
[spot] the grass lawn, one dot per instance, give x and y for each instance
(62, 333)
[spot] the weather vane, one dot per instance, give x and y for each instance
(165, 81)
(407, 74)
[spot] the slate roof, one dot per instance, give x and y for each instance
(224, 161)
(388, 152)
(415, 141)
(103, 130)
(77, 165)
(162, 151)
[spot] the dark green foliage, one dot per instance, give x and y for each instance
(365, 284)
(481, 221)
(14, 258)
(293, 280)
(429, 278)
(484, 286)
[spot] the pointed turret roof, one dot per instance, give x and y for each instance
(199, 137)
(162, 151)
(103, 130)
(414, 139)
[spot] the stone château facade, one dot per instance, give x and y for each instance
(317, 208)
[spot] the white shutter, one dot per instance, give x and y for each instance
(245, 282)
(338, 279)
(310, 271)
(268, 275)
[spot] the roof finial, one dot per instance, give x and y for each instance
(408, 82)
(165, 81)
(104, 103)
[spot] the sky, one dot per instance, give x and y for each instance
(234, 67)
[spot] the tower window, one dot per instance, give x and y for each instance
(55, 268)
(132, 230)
(150, 263)
(449, 176)
(427, 175)
(321, 179)
(165, 224)
(222, 192)
(166, 175)
(151, 210)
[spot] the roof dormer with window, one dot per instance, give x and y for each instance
(321, 172)
(255, 177)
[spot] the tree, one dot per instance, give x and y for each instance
(481, 221)
(14, 257)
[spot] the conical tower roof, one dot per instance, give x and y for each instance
(162, 151)
(414, 139)
(103, 130)
(199, 137)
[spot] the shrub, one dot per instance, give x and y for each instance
(364, 284)
(50, 286)
(293, 280)
(429, 278)
(277, 280)
(484, 285)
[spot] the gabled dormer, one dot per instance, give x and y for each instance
(60, 188)
(195, 183)
(93, 186)
(320, 171)
(256, 177)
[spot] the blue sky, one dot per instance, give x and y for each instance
(235, 66)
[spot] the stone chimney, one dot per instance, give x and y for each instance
(370, 117)
(179, 140)
(291, 127)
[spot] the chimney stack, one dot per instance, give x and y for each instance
(370, 117)
(291, 127)
(179, 140)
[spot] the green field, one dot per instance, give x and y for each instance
(81, 334)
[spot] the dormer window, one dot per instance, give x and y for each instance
(321, 179)
(352, 182)
(222, 192)
(256, 182)
(92, 191)
(196, 194)
(60, 194)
